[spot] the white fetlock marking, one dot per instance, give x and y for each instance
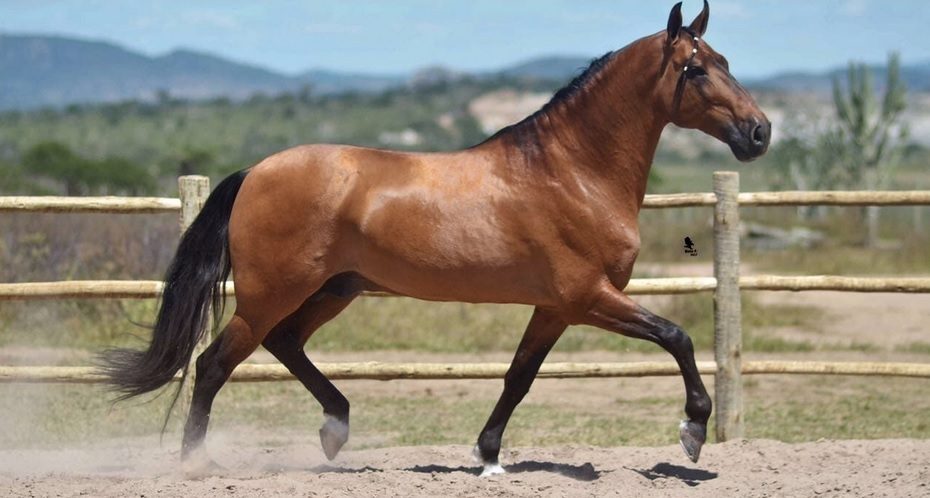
(338, 427)
(492, 470)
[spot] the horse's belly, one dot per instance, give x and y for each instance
(464, 284)
(460, 265)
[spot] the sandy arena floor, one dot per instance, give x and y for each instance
(899, 468)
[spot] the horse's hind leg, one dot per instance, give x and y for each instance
(256, 313)
(286, 343)
(618, 313)
(541, 334)
(214, 367)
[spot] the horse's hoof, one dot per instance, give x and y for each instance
(692, 436)
(333, 435)
(200, 466)
(492, 469)
(489, 469)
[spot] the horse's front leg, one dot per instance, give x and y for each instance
(541, 334)
(616, 312)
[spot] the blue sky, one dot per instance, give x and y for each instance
(758, 37)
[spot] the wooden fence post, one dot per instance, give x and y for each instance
(193, 191)
(727, 329)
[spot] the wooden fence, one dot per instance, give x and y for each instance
(726, 285)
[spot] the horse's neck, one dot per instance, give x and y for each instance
(607, 133)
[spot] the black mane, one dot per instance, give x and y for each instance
(568, 91)
(565, 93)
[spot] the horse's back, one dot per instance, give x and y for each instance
(421, 224)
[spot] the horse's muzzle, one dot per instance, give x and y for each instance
(750, 139)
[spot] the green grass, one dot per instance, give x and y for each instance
(843, 408)
(815, 407)
(398, 324)
(915, 347)
(89, 325)
(910, 259)
(406, 324)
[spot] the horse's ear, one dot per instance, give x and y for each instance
(699, 24)
(674, 24)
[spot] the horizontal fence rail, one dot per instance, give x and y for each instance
(149, 289)
(116, 205)
(794, 198)
(250, 372)
(836, 198)
(139, 205)
(835, 283)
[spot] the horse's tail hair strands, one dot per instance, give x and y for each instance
(193, 284)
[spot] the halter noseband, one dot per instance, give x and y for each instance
(683, 78)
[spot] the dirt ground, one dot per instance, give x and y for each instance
(266, 460)
(899, 468)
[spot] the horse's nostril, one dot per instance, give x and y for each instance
(758, 135)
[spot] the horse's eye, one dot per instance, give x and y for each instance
(695, 71)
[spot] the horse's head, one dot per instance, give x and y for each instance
(699, 92)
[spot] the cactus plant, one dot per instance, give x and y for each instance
(870, 131)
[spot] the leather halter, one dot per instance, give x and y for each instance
(683, 78)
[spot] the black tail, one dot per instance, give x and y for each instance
(193, 284)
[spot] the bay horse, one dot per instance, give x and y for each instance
(543, 213)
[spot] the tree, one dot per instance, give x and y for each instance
(871, 132)
(119, 175)
(13, 181)
(58, 162)
(82, 176)
(195, 161)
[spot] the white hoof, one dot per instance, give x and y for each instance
(333, 435)
(692, 437)
(492, 470)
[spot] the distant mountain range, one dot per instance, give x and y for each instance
(916, 78)
(52, 71)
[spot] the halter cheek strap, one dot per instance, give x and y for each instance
(683, 77)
